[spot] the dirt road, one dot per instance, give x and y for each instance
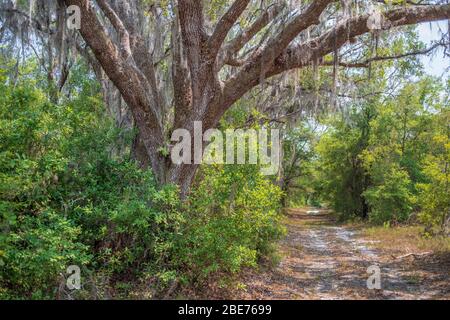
(321, 260)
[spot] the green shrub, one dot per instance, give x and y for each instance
(232, 221)
(38, 242)
(66, 198)
(434, 195)
(391, 199)
(36, 251)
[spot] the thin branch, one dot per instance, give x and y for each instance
(118, 25)
(303, 54)
(224, 25)
(301, 22)
(233, 47)
(246, 35)
(366, 63)
(255, 67)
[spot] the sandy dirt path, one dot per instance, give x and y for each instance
(321, 260)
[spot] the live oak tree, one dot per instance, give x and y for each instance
(174, 62)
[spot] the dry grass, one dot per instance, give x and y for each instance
(313, 256)
(405, 239)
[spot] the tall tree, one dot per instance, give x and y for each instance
(173, 65)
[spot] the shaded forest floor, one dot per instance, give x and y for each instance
(323, 260)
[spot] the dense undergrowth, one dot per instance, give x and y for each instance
(387, 162)
(67, 197)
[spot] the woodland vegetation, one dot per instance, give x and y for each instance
(86, 118)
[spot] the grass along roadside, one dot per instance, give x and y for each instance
(401, 240)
